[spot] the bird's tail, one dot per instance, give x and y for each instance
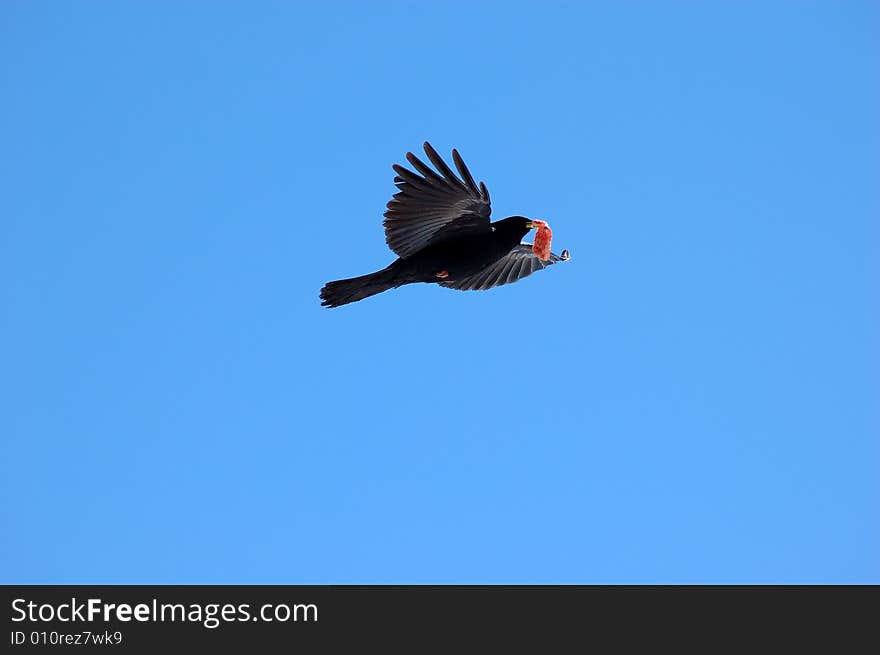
(342, 292)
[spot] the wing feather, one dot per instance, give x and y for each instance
(515, 265)
(430, 206)
(464, 172)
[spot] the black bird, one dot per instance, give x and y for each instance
(438, 225)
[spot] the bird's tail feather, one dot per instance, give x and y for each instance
(342, 292)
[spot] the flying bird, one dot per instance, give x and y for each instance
(438, 225)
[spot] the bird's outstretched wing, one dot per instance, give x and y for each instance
(515, 265)
(431, 207)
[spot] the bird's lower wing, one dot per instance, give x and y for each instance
(515, 265)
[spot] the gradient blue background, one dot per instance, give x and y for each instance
(691, 399)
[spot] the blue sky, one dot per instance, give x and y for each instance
(691, 399)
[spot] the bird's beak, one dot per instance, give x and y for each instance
(536, 224)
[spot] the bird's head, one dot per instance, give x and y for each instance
(518, 225)
(515, 228)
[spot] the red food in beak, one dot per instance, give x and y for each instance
(543, 237)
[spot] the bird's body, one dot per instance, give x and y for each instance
(462, 256)
(440, 228)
